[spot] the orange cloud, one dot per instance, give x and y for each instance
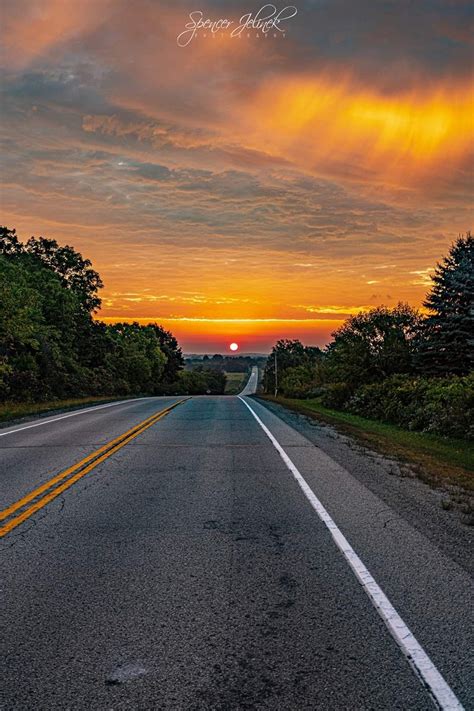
(334, 126)
(241, 189)
(31, 29)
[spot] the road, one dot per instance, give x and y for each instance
(188, 567)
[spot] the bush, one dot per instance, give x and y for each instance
(201, 381)
(297, 381)
(336, 395)
(439, 405)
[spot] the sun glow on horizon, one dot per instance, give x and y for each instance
(262, 187)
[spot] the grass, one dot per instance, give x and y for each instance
(235, 382)
(17, 410)
(439, 461)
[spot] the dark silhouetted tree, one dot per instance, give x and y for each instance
(447, 342)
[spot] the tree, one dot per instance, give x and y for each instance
(21, 308)
(50, 345)
(301, 380)
(136, 359)
(39, 325)
(200, 381)
(447, 343)
(288, 354)
(374, 345)
(75, 272)
(9, 242)
(170, 347)
(20, 320)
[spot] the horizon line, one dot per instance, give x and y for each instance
(219, 320)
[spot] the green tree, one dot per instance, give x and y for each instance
(20, 321)
(170, 347)
(200, 381)
(75, 272)
(38, 329)
(9, 242)
(447, 343)
(301, 380)
(52, 347)
(136, 360)
(374, 345)
(286, 354)
(21, 308)
(214, 378)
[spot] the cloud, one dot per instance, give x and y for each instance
(226, 179)
(33, 28)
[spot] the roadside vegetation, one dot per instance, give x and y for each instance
(55, 351)
(436, 459)
(198, 381)
(235, 383)
(17, 410)
(230, 373)
(396, 374)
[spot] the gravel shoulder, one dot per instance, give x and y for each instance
(393, 482)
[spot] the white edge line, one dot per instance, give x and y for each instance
(72, 414)
(422, 665)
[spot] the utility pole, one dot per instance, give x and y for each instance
(276, 375)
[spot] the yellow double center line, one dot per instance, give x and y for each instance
(48, 491)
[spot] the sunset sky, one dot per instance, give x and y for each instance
(241, 188)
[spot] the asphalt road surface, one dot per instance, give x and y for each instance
(200, 561)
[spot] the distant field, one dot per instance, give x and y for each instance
(235, 383)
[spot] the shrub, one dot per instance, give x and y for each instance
(440, 405)
(336, 395)
(297, 381)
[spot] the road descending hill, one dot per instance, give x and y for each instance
(170, 553)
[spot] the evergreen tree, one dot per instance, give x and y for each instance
(447, 344)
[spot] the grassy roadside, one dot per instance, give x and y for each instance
(235, 382)
(437, 460)
(17, 410)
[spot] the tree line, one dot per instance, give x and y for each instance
(52, 347)
(396, 364)
(227, 364)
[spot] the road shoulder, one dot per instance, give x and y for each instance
(416, 552)
(395, 484)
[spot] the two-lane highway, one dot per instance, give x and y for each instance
(31, 451)
(189, 569)
(26, 506)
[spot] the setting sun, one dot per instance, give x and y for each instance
(234, 346)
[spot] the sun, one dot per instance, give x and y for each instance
(234, 346)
